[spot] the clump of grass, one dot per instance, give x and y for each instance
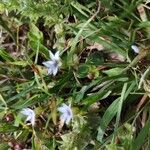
(92, 92)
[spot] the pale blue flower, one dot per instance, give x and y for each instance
(135, 48)
(53, 64)
(30, 114)
(66, 113)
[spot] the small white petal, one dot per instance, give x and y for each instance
(66, 115)
(26, 111)
(66, 106)
(57, 55)
(30, 115)
(33, 121)
(48, 63)
(68, 119)
(135, 48)
(52, 56)
(50, 71)
(63, 117)
(55, 70)
(63, 108)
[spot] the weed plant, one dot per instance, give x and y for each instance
(74, 75)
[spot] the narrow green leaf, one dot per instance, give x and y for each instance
(29, 102)
(21, 94)
(113, 71)
(106, 90)
(137, 143)
(6, 55)
(120, 105)
(107, 117)
(75, 41)
(8, 128)
(4, 25)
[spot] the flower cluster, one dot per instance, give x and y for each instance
(66, 114)
(53, 66)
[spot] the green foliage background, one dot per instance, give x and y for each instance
(101, 76)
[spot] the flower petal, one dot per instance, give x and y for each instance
(135, 48)
(63, 108)
(48, 63)
(50, 71)
(26, 111)
(63, 117)
(30, 115)
(66, 115)
(29, 118)
(68, 119)
(52, 56)
(55, 70)
(57, 56)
